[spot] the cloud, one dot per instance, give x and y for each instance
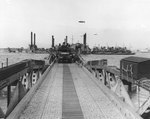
(8, 1)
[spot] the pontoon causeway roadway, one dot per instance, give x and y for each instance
(68, 92)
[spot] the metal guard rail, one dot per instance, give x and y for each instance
(125, 109)
(25, 100)
(6, 72)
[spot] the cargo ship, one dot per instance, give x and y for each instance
(112, 51)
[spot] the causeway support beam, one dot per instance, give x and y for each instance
(8, 94)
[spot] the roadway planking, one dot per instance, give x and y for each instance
(68, 92)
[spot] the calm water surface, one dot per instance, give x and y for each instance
(17, 57)
(114, 60)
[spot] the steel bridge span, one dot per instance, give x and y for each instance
(69, 91)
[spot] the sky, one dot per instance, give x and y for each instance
(107, 22)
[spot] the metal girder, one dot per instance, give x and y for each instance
(2, 115)
(9, 80)
(12, 73)
(18, 95)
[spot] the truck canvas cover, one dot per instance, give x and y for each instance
(135, 68)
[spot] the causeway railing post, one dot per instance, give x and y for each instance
(8, 94)
(21, 91)
(2, 65)
(38, 74)
(7, 62)
(30, 79)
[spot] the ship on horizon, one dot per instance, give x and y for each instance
(112, 51)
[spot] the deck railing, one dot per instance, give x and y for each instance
(16, 81)
(114, 88)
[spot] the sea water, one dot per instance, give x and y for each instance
(113, 60)
(17, 57)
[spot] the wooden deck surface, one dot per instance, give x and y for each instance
(69, 93)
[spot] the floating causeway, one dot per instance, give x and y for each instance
(68, 92)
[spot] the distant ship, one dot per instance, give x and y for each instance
(112, 51)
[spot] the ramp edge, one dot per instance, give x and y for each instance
(26, 99)
(125, 109)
